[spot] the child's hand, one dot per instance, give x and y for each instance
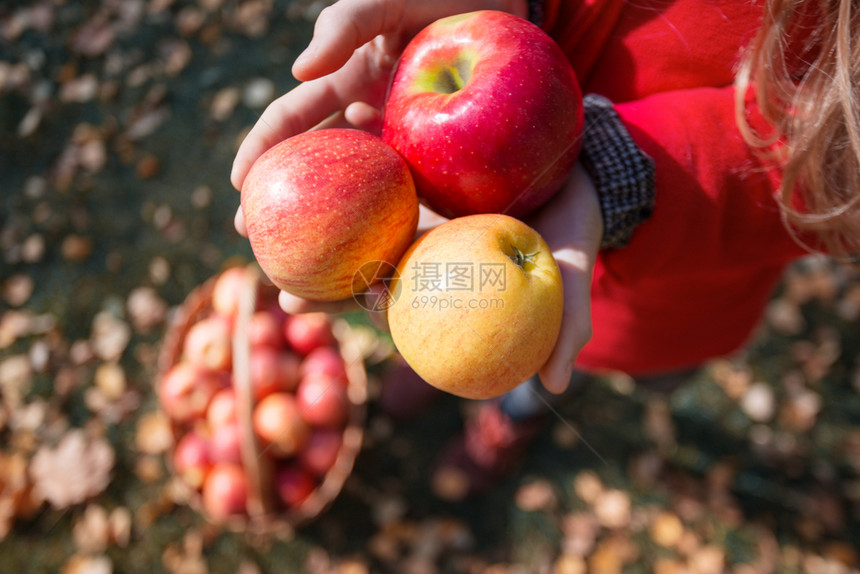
(346, 69)
(572, 225)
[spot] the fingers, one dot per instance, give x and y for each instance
(296, 305)
(373, 301)
(341, 29)
(296, 111)
(239, 223)
(365, 117)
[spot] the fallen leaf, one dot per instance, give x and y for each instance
(77, 469)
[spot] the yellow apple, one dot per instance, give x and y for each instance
(477, 305)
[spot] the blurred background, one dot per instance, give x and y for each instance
(119, 120)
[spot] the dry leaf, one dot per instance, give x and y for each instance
(536, 496)
(77, 469)
(612, 508)
(154, 435)
(91, 531)
(82, 564)
(146, 309)
(110, 336)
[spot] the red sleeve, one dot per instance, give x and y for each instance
(695, 278)
(628, 50)
(715, 203)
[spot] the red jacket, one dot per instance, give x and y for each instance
(694, 281)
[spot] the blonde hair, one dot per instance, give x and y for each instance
(805, 67)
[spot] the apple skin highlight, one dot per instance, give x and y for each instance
(487, 111)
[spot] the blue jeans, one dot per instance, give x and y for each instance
(531, 399)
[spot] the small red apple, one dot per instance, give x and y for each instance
(323, 401)
(322, 204)
(185, 391)
(487, 111)
(265, 330)
(294, 485)
(321, 450)
(225, 491)
(191, 459)
(225, 444)
(308, 331)
(209, 344)
(325, 361)
(279, 424)
(227, 291)
(273, 371)
(222, 408)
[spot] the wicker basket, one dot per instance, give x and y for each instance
(264, 516)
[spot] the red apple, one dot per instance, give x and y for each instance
(209, 344)
(225, 491)
(227, 291)
(322, 401)
(273, 371)
(326, 361)
(294, 485)
(185, 391)
(308, 331)
(487, 112)
(222, 408)
(320, 452)
(225, 444)
(191, 459)
(265, 330)
(279, 424)
(322, 204)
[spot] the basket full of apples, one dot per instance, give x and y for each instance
(267, 409)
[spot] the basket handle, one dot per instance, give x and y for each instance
(257, 466)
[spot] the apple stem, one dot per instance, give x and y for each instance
(521, 258)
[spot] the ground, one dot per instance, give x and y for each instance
(118, 124)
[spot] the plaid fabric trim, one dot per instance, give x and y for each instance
(622, 173)
(536, 13)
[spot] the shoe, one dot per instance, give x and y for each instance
(405, 395)
(491, 447)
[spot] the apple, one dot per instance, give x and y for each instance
(227, 290)
(320, 451)
(273, 371)
(225, 444)
(325, 204)
(322, 400)
(293, 485)
(191, 459)
(265, 330)
(487, 111)
(278, 422)
(209, 344)
(480, 305)
(185, 391)
(326, 361)
(308, 331)
(222, 408)
(225, 491)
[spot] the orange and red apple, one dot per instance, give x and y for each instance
(321, 205)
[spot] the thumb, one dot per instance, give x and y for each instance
(341, 29)
(575, 329)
